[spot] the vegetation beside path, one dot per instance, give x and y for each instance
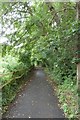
(67, 95)
(41, 34)
(13, 76)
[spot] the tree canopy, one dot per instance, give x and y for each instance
(42, 33)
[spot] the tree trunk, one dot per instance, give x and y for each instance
(78, 56)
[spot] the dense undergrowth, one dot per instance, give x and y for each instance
(12, 72)
(66, 92)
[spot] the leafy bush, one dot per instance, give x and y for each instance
(9, 92)
(12, 69)
(66, 91)
(67, 94)
(8, 66)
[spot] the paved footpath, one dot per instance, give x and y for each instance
(36, 100)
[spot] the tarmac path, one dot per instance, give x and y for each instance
(36, 100)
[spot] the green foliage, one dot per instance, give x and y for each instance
(24, 57)
(9, 65)
(12, 68)
(44, 34)
(9, 92)
(67, 94)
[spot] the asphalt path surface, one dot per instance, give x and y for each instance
(36, 100)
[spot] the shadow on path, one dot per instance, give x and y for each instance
(37, 100)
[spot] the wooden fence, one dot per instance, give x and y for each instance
(2, 75)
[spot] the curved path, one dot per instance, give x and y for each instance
(36, 100)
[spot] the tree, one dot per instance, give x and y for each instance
(44, 33)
